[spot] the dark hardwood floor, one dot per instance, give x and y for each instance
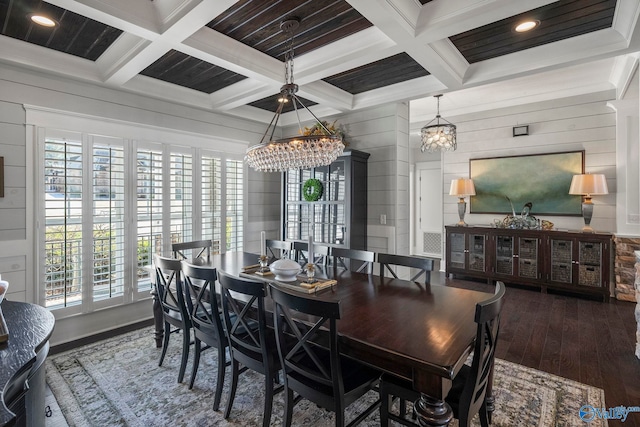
(577, 338)
(574, 337)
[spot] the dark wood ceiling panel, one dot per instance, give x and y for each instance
(256, 23)
(184, 70)
(394, 69)
(74, 34)
(271, 104)
(558, 21)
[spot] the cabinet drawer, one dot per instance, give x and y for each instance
(590, 253)
(561, 273)
(589, 275)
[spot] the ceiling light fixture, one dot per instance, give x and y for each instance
(526, 26)
(42, 20)
(438, 136)
(299, 152)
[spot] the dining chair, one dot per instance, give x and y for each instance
(315, 373)
(251, 343)
(192, 250)
(320, 253)
(279, 248)
(467, 396)
(343, 257)
(206, 320)
(424, 265)
(170, 289)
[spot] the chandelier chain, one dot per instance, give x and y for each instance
(288, 60)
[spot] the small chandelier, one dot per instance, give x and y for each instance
(299, 152)
(438, 136)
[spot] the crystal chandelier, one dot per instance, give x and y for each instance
(438, 136)
(299, 152)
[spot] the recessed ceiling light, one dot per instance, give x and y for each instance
(43, 20)
(526, 26)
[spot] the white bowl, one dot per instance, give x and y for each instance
(285, 269)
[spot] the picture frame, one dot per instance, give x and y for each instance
(505, 184)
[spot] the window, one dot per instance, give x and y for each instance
(63, 223)
(149, 213)
(92, 255)
(108, 222)
(211, 198)
(234, 205)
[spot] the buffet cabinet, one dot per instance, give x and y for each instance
(571, 261)
(339, 215)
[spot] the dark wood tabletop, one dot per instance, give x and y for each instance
(30, 327)
(422, 333)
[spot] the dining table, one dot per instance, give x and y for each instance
(419, 332)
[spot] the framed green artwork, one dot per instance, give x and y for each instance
(541, 179)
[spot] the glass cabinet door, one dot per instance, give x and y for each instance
(457, 252)
(528, 257)
(590, 267)
(477, 252)
(504, 255)
(561, 261)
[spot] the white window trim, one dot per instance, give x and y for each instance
(40, 120)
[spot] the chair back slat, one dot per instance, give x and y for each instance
(304, 362)
(343, 258)
(203, 300)
(245, 320)
(279, 248)
(424, 265)
(170, 286)
(487, 318)
(198, 248)
(320, 253)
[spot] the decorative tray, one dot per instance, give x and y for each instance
(299, 285)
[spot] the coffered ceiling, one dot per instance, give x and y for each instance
(227, 56)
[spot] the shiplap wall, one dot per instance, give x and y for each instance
(13, 149)
(569, 124)
(263, 207)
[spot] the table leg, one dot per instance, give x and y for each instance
(433, 412)
(488, 397)
(158, 318)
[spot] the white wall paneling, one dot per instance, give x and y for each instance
(578, 123)
(627, 197)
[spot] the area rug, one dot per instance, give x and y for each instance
(117, 382)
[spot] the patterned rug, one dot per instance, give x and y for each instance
(117, 382)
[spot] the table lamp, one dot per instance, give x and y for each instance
(588, 185)
(462, 187)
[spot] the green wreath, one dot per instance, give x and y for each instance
(312, 190)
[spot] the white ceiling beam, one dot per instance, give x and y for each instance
(137, 17)
(410, 89)
(587, 47)
(322, 92)
(240, 93)
(361, 48)
(148, 86)
(440, 19)
(223, 51)
(182, 23)
(48, 60)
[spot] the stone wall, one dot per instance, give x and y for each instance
(624, 267)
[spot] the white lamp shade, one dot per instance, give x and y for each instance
(462, 187)
(589, 184)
